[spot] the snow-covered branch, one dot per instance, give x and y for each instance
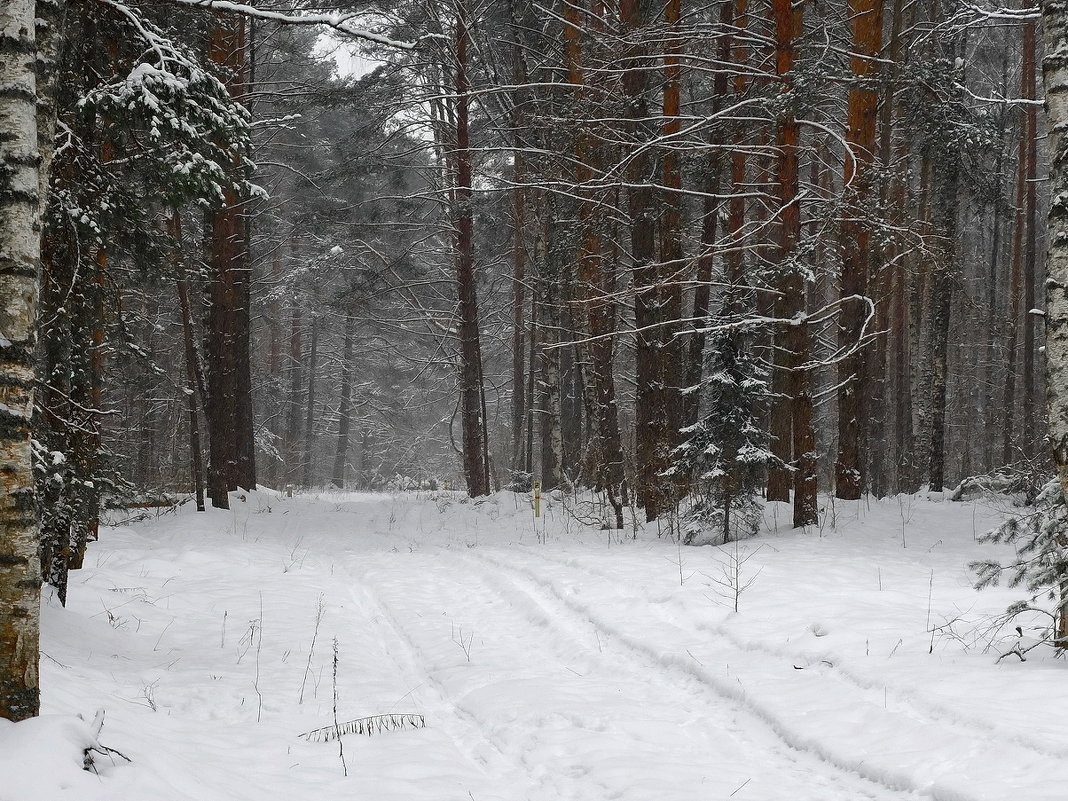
(342, 23)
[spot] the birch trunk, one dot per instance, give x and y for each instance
(1055, 80)
(20, 203)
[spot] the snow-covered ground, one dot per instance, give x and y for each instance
(549, 661)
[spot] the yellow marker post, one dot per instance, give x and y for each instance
(537, 499)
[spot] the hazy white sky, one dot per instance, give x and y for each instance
(345, 55)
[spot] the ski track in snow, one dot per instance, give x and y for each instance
(1024, 757)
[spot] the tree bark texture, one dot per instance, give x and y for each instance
(791, 283)
(942, 286)
(307, 461)
(227, 351)
(866, 19)
(651, 423)
(194, 381)
(1055, 82)
(474, 444)
(672, 269)
(291, 449)
(20, 242)
(1030, 421)
(344, 412)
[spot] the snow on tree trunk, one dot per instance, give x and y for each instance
(548, 411)
(20, 202)
(1055, 80)
(650, 425)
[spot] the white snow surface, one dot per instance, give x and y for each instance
(550, 660)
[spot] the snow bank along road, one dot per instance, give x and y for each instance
(550, 661)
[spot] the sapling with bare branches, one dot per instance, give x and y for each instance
(320, 608)
(734, 578)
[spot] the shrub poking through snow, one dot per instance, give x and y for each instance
(374, 724)
(1041, 565)
(728, 449)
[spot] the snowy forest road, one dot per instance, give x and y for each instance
(549, 661)
(582, 710)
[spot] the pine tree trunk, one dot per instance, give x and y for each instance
(20, 204)
(222, 351)
(650, 414)
(296, 384)
(519, 279)
(308, 441)
(791, 284)
(866, 19)
(194, 382)
(275, 392)
(673, 268)
(549, 416)
(942, 287)
(520, 398)
(991, 414)
(344, 412)
(474, 444)
(532, 371)
(1014, 297)
(244, 423)
(710, 212)
(1030, 424)
(244, 412)
(582, 448)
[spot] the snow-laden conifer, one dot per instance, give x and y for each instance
(1041, 564)
(728, 450)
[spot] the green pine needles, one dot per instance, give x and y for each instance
(1041, 564)
(727, 451)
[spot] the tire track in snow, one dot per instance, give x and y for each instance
(716, 719)
(472, 739)
(876, 767)
(920, 708)
(751, 724)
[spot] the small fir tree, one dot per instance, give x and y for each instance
(727, 450)
(1041, 565)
